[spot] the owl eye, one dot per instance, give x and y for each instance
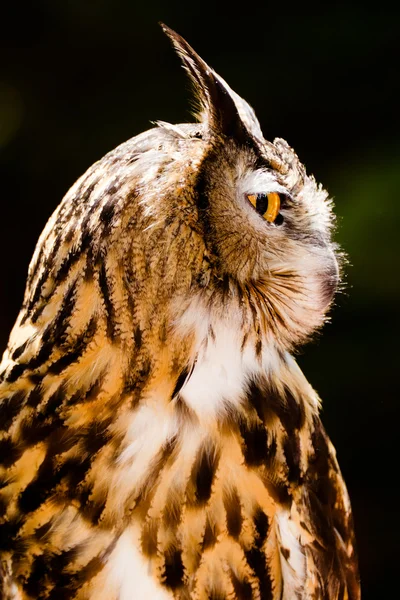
(267, 205)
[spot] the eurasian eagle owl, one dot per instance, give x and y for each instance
(158, 440)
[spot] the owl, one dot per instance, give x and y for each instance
(157, 438)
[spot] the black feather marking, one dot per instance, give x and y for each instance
(81, 396)
(90, 509)
(73, 471)
(39, 489)
(173, 569)
(137, 336)
(33, 431)
(180, 381)
(107, 212)
(8, 532)
(256, 557)
(77, 350)
(257, 398)
(36, 582)
(35, 396)
(255, 442)
(50, 569)
(202, 475)
(20, 350)
(268, 401)
(243, 589)
(36, 294)
(289, 411)
(65, 267)
(46, 348)
(56, 330)
(106, 296)
(233, 510)
(53, 403)
(10, 452)
(9, 409)
(291, 450)
(261, 525)
(257, 561)
(95, 436)
(15, 373)
(280, 493)
(137, 384)
(51, 575)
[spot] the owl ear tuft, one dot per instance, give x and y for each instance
(215, 96)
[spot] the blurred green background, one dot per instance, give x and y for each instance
(79, 77)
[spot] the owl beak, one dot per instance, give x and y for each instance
(216, 98)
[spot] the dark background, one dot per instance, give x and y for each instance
(77, 78)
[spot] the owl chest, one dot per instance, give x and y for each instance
(159, 435)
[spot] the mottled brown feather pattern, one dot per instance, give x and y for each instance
(157, 439)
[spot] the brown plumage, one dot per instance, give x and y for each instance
(157, 439)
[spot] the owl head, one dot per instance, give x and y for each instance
(265, 223)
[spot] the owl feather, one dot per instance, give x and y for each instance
(157, 438)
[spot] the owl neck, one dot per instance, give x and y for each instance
(231, 354)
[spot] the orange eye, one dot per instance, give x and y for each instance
(267, 205)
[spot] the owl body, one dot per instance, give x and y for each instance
(158, 440)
